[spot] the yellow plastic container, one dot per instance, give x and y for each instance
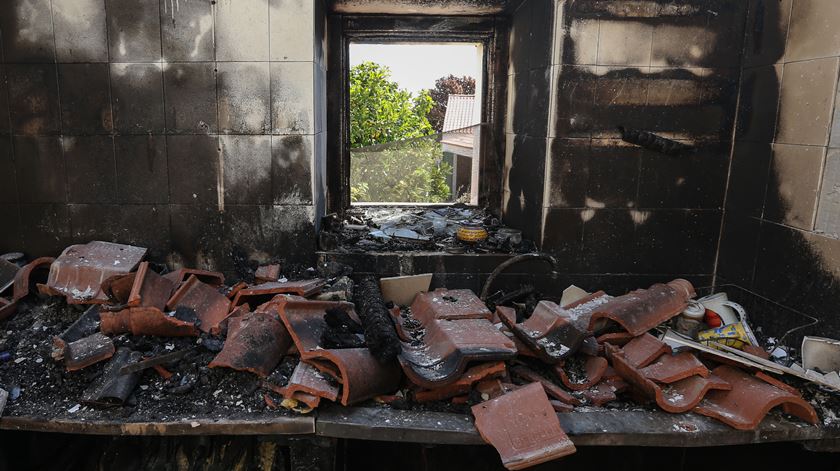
(471, 234)
(731, 335)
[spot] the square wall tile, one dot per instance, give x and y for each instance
(39, 164)
(8, 181)
(247, 169)
(766, 32)
(678, 45)
(133, 30)
(808, 94)
(91, 177)
(46, 229)
(292, 97)
(828, 214)
(137, 94)
(738, 248)
(11, 239)
(291, 169)
(621, 96)
(759, 106)
(242, 30)
(625, 43)
(142, 170)
(33, 98)
(292, 25)
(27, 31)
(5, 125)
(748, 176)
(580, 46)
(813, 30)
(794, 185)
(695, 181)
(80, 31)
(85, 99)
(563, 236)
(614, 167)
(574, 111)
(190, 90)
(568, 167)
(244, 97)
(193, 163)
(187, 30)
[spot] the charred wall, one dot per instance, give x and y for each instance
(780, 237)
(612, 209)
(194, 127)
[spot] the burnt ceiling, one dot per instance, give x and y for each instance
(427, 7)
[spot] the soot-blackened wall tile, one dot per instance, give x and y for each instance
(267, 231)
(91, 175)
(794, 185)
(613, 174)
(47, 229)
(608, 241)
(759, 104)
(530, 112)
(193, 163)
(202, 249)
(27, 31)
(137, 94)
(519, 213)
(563, 237)
(190, 90)
(568, 162)
(784, 255)
(575, 97)
(133, 30)
(187, 30)
(141, 225)
(580, 46)
(292, 97)
(8, 183)
(242, 30)
(80, 31)
(766, 31)
(247, 169)
(695, 180)
(527, 169)
(686, 45)
(620, 100)
(291, 169)
(292, 33)
(5, 124)
(11, 238)
(85, 99)
(518, 62)
(39, 165)
(748, 177)
(807, 99)
(677, 241)
(244, 97)
(738, 248)
(142, 170)
(541, 32)
(33, 98)
(624, 43)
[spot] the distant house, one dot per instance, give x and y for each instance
(458, 141)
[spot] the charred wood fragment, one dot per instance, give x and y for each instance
(653, 142)
(380, 334)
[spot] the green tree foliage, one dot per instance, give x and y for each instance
(445, 86)
(405, 163)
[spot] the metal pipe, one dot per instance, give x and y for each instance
(485, 291)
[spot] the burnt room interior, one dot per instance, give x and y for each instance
(187, 284)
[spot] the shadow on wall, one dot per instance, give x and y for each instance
(789, 266)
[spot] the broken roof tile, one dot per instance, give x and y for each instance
(210, 306)
(306, 379)
(464, 383)
(267, 273)
(8, 272)
(523, 427)
(113, 387)
(80, 270)
(24, 277)
(7, 308)
(672, 368)
(149, 289)
(448, 346)
(118, 287)
(604, 392)
(256, 342)
(146, 321)
(450, 305)
(643, 350)
(750, 399)
(551, 389)
(593, 370)
(262, 293)
(641, 310)
(212, 278)
(361, 375)
(88, 351)
(616, 338)
(85, 325)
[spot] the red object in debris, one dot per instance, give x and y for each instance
(149, 289)
(464, 383)
(212, 278)
(211, 306)
(449, 346)
(263, 293)
(561, 407)
(118, 288)
(23, 278)
(641, 310)
(145, 321)
(450, 305)
(163, 372)
(88, 351)
(604, 392)
(551, 389)
(7, 308)
(712, 319)
(267, 273)
(616, 338)
(672, 368)
(594, 368)
(80, 270)
(256, 342)
(306, 379)
(523, 427)
(750, 399)
(643, 350)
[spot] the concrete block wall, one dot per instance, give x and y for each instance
(781, 235)
(192, 127)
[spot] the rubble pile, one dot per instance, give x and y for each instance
(100, 332)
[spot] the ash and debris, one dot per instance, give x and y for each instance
(411, 229)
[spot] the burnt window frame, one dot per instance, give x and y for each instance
(342, 30)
